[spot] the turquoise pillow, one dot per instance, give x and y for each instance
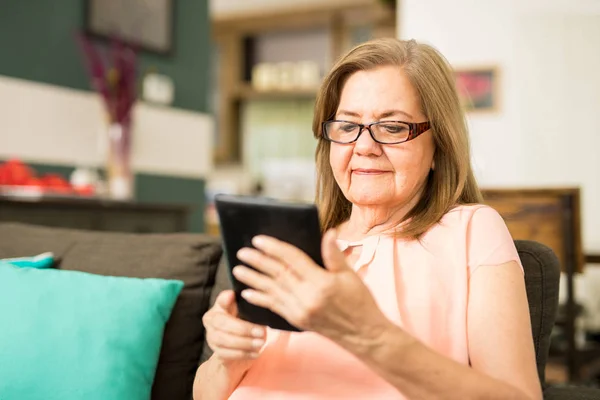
(68, 335)
(44, 260)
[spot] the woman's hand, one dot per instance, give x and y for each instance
(333, 302)
(234, 342)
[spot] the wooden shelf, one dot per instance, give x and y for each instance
(96, 214)
(592, 258)
(297, 16)
(234, 35)
(247, 92)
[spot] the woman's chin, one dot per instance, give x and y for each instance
(369, 200)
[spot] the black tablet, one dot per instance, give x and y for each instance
(243, 217)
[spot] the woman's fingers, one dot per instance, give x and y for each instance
(228, 341)
(286, 305)
(266, 265)
(259, 281)
(284, 253)
(233, 355)
(232, 338)
(232, 325)
(262, 300)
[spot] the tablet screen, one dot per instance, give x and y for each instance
(243, 217)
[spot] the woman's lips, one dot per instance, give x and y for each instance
(368, 171)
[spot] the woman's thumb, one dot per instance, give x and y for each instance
(226, 300)
(332, 256)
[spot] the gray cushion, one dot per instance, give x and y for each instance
(188, 257)
(542, 275)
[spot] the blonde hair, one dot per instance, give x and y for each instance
(452, 181)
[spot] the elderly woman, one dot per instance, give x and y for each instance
(423, 295)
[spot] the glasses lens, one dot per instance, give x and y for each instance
(391, 132)
(342, 132)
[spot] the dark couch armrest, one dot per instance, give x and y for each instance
(222, 282)
(571, 393)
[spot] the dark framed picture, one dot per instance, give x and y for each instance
(478, 88)
(146, 24)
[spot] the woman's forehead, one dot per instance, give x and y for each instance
(382, 92)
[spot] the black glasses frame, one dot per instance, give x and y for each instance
(414, 130)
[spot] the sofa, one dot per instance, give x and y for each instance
(195, 259)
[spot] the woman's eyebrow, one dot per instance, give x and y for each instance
(385, 114)
(348, 113)
(390, 113)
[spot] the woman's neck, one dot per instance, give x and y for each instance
(372, 220)
(368, 220)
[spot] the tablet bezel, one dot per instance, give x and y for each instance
(243, 217)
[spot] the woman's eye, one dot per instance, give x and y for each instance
(391, 128)
(348, 127)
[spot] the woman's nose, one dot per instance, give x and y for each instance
(366, 145)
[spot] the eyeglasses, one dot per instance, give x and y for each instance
(383, 132)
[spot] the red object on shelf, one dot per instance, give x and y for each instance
(85, 190)
(16, 174)
(56, 183)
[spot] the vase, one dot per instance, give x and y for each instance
(119, 174)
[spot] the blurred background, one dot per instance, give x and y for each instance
(131, 115)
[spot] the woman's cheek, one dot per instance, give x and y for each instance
(339, 165)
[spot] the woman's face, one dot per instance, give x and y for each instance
(373, 174)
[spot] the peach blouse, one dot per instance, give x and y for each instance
(423, 286)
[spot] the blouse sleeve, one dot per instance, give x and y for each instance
(488, 240)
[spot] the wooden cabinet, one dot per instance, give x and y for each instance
(96, 214)
(550, 216)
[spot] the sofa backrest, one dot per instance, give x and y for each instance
(192, 258)
(542, 277)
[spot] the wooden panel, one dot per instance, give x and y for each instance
(298, 17)
(227, 149)
(548, 216)
(47, 216)
(91, 214)
(592, 258)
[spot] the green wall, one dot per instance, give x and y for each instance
(37, 42)
(156, 189)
